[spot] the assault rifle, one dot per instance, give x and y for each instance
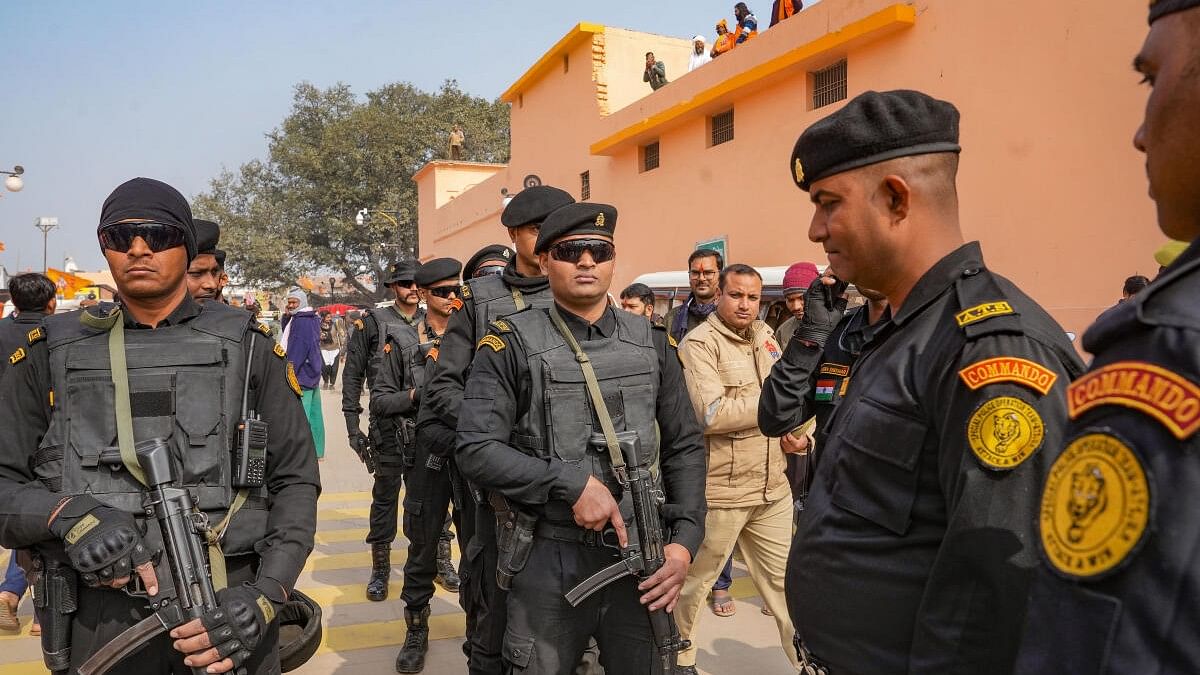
(644, 554)
(184, 528)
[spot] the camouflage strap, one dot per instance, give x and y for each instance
(114, 324)
(593, 387)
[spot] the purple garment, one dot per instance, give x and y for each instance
(304, 348)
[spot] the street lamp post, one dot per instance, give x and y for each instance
(45, 224)
(363, 215)
(14, 182)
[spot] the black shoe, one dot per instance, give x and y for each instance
(446, 577)
(381, 570)
(412, 655)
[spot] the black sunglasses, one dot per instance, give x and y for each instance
(487, 271)
(571, 251)
(158, 236)
(405, 284)
(443, 291)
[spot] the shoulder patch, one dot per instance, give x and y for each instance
(358, 323)
(456, 304)
(981, 312)
(279, 351)
(36, 335)
(1004, 431)
(433, 353)
(263, 328)
(1169, 398)
(772, 348)
(1096, 506)
(501, 326)
(17, 356)
(466, 291)
(292, 381)
(492, 341)
(1008, 369)
(387, 347)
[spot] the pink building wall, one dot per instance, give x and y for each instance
(1049, 180)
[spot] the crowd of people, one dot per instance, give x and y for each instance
(929, 482)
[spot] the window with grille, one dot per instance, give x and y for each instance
(650, 156)
(721, 126)
(829, 85)
(585, 186)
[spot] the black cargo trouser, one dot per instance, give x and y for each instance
(484, 603)
(104, 613)
(426, 503)
(546, 636)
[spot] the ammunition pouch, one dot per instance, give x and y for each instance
(55, 588)
(514, 540)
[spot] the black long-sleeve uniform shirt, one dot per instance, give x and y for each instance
(498, 395)
(15, 332)
(292, 480)
(916, 546)
(363, 350)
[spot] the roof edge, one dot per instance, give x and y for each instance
(542, 65)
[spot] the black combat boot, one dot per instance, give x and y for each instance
(446, 577)
(381, 569)
(416, 643)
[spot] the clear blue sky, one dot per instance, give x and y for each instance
(95, 93)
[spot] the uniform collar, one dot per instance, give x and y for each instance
(604, 327)
(30, 317)
(185, 311)
(729, 332)
(966, 260)
(514, 279)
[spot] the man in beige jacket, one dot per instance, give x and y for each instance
(725, 361)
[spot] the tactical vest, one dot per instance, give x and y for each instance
(494, 299)
(561, 420)
(386, 318)
(412, 350)
(185, 385)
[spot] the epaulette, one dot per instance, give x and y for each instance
(984, 307)
(263, 328)
(670, 338)
(17, 356)
(466, 292)
(279, 351)
(36, 335)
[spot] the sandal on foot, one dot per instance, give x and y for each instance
(721, 603)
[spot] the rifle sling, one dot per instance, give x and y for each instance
(593, 387)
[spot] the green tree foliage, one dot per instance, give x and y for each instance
(333, 154)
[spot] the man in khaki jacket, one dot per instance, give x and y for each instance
(725, 361)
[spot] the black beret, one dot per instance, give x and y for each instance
(220, 256)
(208, 234)
(874, 127)
(532, 205)
(572, 219)
(497, 252)
(1161, 8)
(402, 271)
(149, 199)
(438, 269)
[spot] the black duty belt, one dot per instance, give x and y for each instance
(577, 535)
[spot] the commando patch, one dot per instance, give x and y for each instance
(1005, 431)
(279, 351)
(292, 381)
(17, 356)
(1166, 396)
(1009, 369)
(835, 369)
(980, 312)
(1095, 506)
(492, 341)
(36, 335)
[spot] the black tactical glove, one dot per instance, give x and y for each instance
(103, 543)
(823, 309)
(240, 620)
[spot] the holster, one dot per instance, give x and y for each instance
(514, 539)
(406, 438)
(55, 588)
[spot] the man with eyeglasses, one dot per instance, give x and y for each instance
(206, 274)
(183, 377)
(544, 382)
(704, 266)
(363, 350)
(485, 299)
(397, 396)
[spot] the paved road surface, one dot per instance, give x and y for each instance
(363, 637)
